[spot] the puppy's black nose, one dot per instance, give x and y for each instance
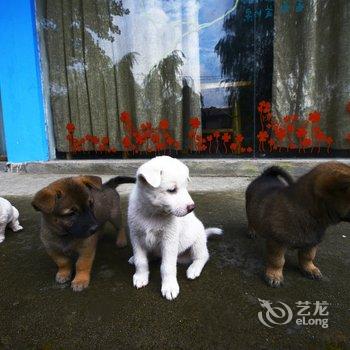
(190, 207)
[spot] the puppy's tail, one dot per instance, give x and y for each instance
(119, 180)
(277, 171)
(210, 231)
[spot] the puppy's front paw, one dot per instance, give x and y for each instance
(170, 289)
(79, 284)
(140, 280)
(63, 276)
(314, 273)
(121, 243)
(193, 272)
(274, 280)
(251, 234)
(121, 240)
(2, 238)
(16, 228)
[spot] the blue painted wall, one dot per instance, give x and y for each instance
(20, 83)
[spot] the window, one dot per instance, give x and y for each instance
(201, 78)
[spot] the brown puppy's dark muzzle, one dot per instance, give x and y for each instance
(84, 225)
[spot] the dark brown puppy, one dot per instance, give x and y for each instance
(296, 214)
(74, 210)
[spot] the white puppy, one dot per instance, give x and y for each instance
(8, 216)
(162, 222)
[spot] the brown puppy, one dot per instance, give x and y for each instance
(74, 210)
(296, 214)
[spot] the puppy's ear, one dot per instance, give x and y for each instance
(45, 200)
(94, 182)
(332, 184)
(149, 174)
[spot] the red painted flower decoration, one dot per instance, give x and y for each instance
(139, 139)
(125, 117)
(146, 126)
(195, 123)
(216, 134)
(280, 133)
(170, 141)
(348, 137)
(263, 136)
(239, 138)
(226, 137)
(321, 136)
(70, 128)
(314, 117)
(164, 124)
(301, 132)
(233, 147)
(264, 107)
(177, 145)
(329, 140)
(316, 129)
(160, 146)
(191, 134)
(348, 107)
(155, 138)
(267, 108)
(105, 140)
(126, 142)
(95, 140)
(101, 147)
(290, 128)
(306, 143)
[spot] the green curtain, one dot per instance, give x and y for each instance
(92, 73)
(311, 63)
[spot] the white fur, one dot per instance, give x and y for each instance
(160, 224)
(8, 216)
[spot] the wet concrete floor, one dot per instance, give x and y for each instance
(217, 311)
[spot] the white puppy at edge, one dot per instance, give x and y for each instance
(8, 216)
(162, 222)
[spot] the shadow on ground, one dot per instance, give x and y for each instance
(217, 311)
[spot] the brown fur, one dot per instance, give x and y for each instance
(74, 210)
(296, 214)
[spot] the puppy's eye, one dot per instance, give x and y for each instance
(172, 190)
(69, 214)
(73, 211)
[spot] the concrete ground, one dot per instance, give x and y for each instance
(27, 184)
(219, 310)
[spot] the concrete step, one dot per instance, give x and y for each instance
(215, 167)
